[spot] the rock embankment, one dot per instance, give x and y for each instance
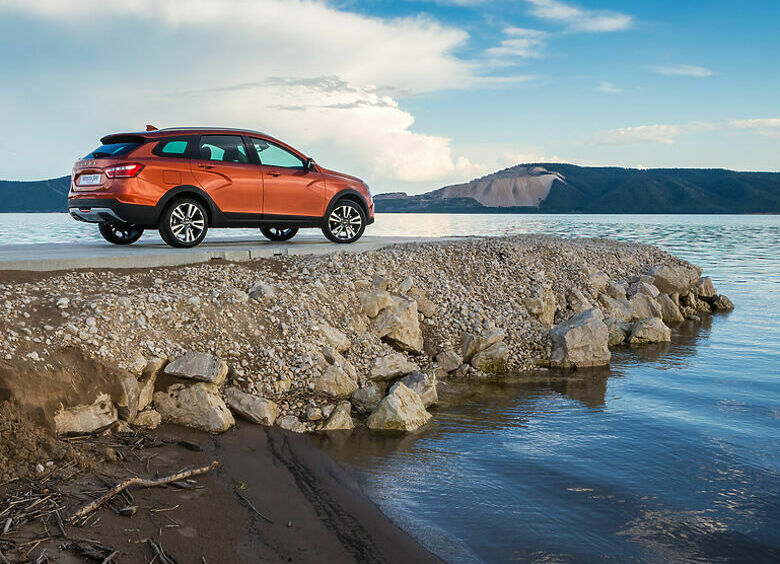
(329, 342)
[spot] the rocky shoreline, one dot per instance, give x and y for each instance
(92, 362)
(324, 343)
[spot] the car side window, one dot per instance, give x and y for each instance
(224, 148)
(172, 148)
(271, 154)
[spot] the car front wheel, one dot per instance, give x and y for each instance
(120, 233)
(279, 233)
(184, 223)
(345, 223)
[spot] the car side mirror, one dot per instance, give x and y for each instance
(309, 164)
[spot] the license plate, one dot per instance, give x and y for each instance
(90, 179)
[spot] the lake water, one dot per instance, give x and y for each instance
(672, 454)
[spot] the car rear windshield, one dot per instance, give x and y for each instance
(112, 150)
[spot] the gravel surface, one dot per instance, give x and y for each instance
(117, 319)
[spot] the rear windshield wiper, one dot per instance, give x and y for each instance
(98, 154)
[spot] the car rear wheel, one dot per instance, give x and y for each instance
(184, 223)
(345, 222)
(279, 233)
(120, 233)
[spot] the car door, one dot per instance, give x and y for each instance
(289, 188)
(222, 168)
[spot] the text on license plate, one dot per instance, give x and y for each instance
(89, 179)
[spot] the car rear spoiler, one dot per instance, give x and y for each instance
(123, 138)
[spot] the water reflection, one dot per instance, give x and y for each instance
(641, 462)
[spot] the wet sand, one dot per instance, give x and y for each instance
(312, 510)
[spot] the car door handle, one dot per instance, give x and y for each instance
(274, 173)
(207, 167)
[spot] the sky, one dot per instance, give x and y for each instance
(409, 95)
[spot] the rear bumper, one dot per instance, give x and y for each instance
(100, 210)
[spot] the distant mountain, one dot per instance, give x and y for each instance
(566, 188)
(35, 196)
(540, 188)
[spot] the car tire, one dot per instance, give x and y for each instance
(120, 233)
(279, 233)
(184, 223)
(345, 222)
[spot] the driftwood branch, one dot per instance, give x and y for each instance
(136, 481)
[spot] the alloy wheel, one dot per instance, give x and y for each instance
(345, 222)
(187, 222)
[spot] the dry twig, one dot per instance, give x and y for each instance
(136, 481)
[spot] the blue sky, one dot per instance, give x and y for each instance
(410, 95)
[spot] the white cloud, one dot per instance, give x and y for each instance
(520, 42)
(664, 134)
(318, 77)
(580, 19)
(683, 70)
(769, 127)
(609, 88)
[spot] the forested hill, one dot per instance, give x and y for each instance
(544, 188)
(35, 196)
(566, 188)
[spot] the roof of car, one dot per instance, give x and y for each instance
(169, 131)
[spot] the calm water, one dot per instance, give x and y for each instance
(670, 455)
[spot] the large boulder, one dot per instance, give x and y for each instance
(674, 278)
(650, 330)
(334, 337)
(198, 406)
(644, 306)
(598, 280)
(449, 360)
(291, 423)
(704, 288)
(367, 397)
(86, 418)
(640, 287)
(722, 303)
(619, 308)
(127, 403)
(335, 382)
(199, 366)
(471, 344)
(618, 330)
(148, 418)
(615, 289)
(423, 383)
(391, 366)
(373, 302)
(670, 313)
(492, 359)
(399, 325)
(582, 340)
(148, 380)
(577, 301)
(332, 356)
(340, 419)
(401, 410)
(424, 305)
(543, 305)
(255, 409)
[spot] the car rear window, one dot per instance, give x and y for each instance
(174, 147)
(112, 150)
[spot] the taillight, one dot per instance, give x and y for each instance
(124, 171)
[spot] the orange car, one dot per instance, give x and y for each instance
(182, 181)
